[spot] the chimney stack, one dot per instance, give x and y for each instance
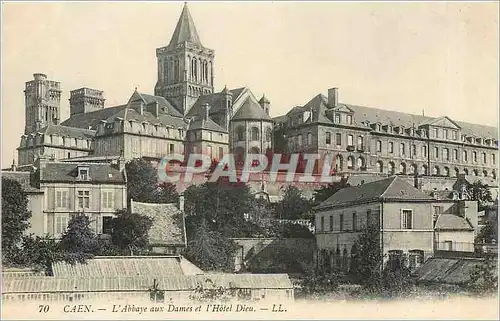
(205, 111)
(333, 97)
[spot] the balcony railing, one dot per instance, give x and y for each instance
(455, 246)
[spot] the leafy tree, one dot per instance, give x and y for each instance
(481, 193)
(36, 252)
(366, 258)
(79, 237)
(15, 214)
(290, 230)
(208, 292)
(484, 276)
(488, 232)
(293, 205)
(143, 185)
(221, 204)
(325, 191)
(321, 283)
(209, 249)
(130, 231)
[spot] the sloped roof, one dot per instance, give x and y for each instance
(165, 106)
(92, 119)
(392, 188)
(67, 131)
(110, 283)
(168, 223)
(208, 124)
(185, 30)
(216, 101)
(123, 266)
(319, 104)
(251, 110)
(452, 222)
(53, 171)
(455, 271)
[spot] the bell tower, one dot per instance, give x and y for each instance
(185, 66)
(42, 103)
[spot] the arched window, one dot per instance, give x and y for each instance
(360, 163)
(339, 163)
(350, 162)
(423, 170)
(485, 173)
(466, 171)
(435, 171)
(240, 133)
(269, 134)
(391, 168)
(446, 172)
(413, 169)
(494, 175)
(309, 139)
(254, 134)
(474, 172)
(380, 167)
(402, 168)
(457, 171)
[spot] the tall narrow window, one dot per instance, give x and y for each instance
(407, 219)
(474, 156)
(328, 139)
(83, 199)
(337, 118)
(424, 151)
(360, 142)
(107, 199)
(61, 199)
(322, 226)
(338, 139)
(379, 145)
(331, 223)
(350, 140)
(341, 222)
(349, 119)
(436, 152)
(402, 149)
(391, 147)
(354, 222)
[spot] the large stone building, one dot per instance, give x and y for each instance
(363, 139)
(184, 116)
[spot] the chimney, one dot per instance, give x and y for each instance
(13, 167)
(333, 97)
(204, 111)
(181, 202)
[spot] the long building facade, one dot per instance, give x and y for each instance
(187, 115)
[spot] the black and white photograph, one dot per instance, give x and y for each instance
(249, 160)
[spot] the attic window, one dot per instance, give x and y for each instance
(83, 173)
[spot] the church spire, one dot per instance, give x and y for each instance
(185, 31)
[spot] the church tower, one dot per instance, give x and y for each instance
(185, 66)
(42, 103)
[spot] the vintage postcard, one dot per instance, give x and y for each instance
(249, 160)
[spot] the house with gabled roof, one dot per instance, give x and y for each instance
(410, 222)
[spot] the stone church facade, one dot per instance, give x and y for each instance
(185, 115)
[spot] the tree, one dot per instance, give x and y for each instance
(221, 204)
(290, 230)
(130, 231)
(15, 214)
(366, 258)
(209, 249)
(325, 191)
(488, 232)
(484, 276)
(293, 205)
(143, 185)
(79, 237)
(36, 252)
(481, 193)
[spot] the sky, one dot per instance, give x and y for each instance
(435, 58)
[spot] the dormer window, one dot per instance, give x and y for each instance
(378, 127)
(337, 118)
(83, 173)
(349, 119)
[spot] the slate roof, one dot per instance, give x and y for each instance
(454, 271)
(168, 223)
(452, 222)
(392, 188)
(123, 266)
(112, 283)
(53, 171)
(216, 101)
(92, 119)
(165, 106)
(185, 30)
(374, 115)
(67, 131)
(208, 124)
(250, 110)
